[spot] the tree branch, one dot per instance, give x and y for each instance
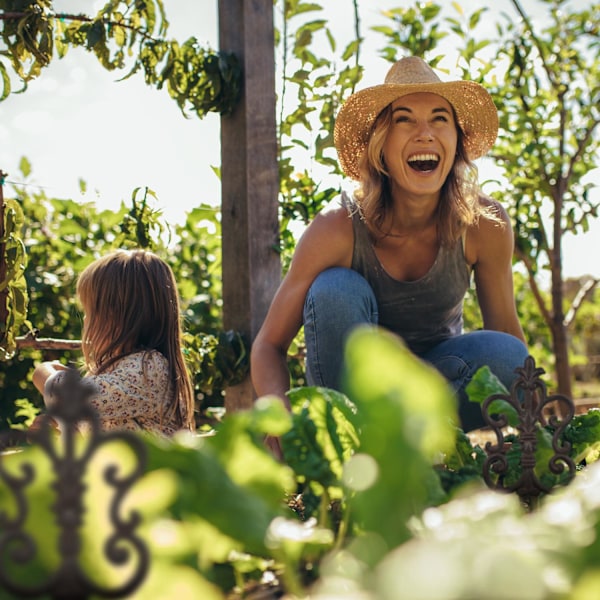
(535, 290)
(584, 291)
(32, 341)
(539, 47)
(580, 148)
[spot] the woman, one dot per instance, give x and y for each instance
(401, 251)
(131, 345)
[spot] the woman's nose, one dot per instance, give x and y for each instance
(424, 133)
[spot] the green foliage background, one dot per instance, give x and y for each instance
(377, 486)
(61, 237)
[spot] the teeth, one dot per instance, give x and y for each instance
(421, 157)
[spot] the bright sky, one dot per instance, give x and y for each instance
(77, 122)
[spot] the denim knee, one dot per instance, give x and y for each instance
(343, 293)
(338, 300)
(459, 358)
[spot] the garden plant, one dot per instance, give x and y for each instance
(379, 488)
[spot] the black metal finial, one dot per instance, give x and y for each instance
(70, 409)
(528, 397)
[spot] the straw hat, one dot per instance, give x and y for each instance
(475, 110)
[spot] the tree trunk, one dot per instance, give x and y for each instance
(560, 345)
(558, 327)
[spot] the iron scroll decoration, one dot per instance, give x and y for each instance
(528, 396)
(69, 581)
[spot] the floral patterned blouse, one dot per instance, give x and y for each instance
(130, 394)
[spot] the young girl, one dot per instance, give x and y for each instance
(131, 344)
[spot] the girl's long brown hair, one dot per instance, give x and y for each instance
(459, 205)
(130, 303)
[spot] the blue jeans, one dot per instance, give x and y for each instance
(340, 299)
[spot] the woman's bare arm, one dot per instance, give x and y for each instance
(327, 242)
(491, 244)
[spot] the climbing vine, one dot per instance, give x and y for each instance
(13, 287)
(126, 35)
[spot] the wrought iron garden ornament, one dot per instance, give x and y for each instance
(70, 408)
(528, 397)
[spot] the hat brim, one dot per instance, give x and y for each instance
(475, 111)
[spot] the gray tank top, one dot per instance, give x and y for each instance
(423, 312)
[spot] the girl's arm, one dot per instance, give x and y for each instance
(45, 375)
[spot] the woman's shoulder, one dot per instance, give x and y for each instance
(336, 217)
(328, 240)
(492, 219)
(332, 220)
(491, 231)
(491, 211)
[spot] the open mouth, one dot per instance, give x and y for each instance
(423, 162)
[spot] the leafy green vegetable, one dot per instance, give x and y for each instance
(323, 434)
(485, 384)
(406, 417)
(583, 432)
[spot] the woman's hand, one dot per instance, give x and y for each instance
(274, 445)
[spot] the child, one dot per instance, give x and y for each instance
(131, 344)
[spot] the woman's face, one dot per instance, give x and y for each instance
(420, 146)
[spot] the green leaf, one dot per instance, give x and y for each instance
(5, 82)
(25, 167)
(406, 417)
(323, 434)
(206, 489)
(485, 384)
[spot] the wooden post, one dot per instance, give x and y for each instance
(249, 177)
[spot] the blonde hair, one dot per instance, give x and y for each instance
(459, 205)
(131, 304)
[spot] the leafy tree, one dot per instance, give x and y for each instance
(550, 96)
(544, 81)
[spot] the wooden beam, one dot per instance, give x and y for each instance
(249, 177)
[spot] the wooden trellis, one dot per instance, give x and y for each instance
(249, 177)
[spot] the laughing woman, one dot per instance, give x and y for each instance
(401, 251)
